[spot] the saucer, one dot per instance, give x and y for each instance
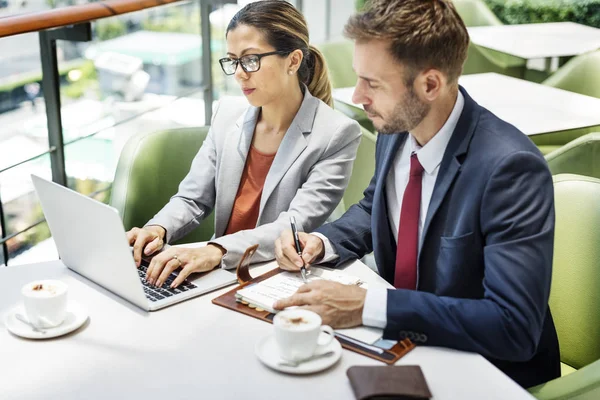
(76, 316)
(268, 353)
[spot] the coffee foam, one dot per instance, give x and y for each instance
(294, 321)
(42, 289)
(297, 321)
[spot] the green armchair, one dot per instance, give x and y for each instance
(553, 141)
(362, 173)
(363, 169)
(149, 171)
(479, 59)
(476, 13)
(574, 296)
(580, 75)
(581, 156)
(338, 56)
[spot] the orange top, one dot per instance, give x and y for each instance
(247, 200)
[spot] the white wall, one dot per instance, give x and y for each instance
(315, 14)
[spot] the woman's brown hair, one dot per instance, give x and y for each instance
(284, 28)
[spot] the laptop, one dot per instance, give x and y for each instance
(91, 241)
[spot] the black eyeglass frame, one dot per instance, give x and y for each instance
(239, 62)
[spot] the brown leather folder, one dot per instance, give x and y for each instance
(400, 382)
(228, 300)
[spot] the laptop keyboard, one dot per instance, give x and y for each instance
(154, 293)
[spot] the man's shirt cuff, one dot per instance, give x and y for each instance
(375, 308)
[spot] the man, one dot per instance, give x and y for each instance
(459, 213)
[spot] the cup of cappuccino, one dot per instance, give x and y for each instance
(45, 302)
(297, 333)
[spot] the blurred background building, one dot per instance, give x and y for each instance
(143, 71)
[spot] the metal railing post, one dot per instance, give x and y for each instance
(51, 89)
(3, 228)
(327, 20)
(207, 84)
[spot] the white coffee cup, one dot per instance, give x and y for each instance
(45, 302)
(297, 334)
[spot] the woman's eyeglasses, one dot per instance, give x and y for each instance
(249, 62)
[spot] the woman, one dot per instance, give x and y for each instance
(288, 154)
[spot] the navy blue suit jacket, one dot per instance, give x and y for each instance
(485, 257)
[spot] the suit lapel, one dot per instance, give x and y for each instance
(452, 160)
(292, 145)
(232, 166)
(383, 239)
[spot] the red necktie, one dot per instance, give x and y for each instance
(405, 276)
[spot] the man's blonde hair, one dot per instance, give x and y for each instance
(423, 34)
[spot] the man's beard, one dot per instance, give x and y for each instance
(406, 115)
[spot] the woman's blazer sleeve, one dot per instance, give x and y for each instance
(313, 202)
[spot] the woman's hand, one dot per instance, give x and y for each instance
(190, 260)
(150, 239)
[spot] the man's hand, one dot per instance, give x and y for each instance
(340, 306)
(200, 259)
(287, 256)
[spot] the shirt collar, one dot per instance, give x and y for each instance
(430, 156)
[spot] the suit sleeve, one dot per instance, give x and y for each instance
(314, 201)
(195, 197)
(517, 222)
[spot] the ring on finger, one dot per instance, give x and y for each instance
(177, 259)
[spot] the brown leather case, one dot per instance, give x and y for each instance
(228, 300)
(389, 382)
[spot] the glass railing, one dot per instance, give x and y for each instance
(142, 70)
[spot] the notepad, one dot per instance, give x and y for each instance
(264, 294)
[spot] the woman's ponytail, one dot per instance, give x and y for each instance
(318, 83)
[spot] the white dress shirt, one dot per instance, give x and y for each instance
(430, 156)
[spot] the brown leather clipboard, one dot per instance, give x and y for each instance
(228, 300)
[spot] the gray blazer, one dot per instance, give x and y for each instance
(307, 178)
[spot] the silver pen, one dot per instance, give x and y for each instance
(298, 248)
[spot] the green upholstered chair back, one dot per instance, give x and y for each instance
(149, 171)
(363, 169)
(355, 113)
(479, 59)
(575, 292)
(584, 384)
(338, 56)
(581, 75)
(552, 141)
(581, 156)
(476, 13)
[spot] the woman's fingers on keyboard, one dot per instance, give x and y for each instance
(170, 266)
(158, 263)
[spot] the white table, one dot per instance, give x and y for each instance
(531, 107)
(192, 350)
(529, 41)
